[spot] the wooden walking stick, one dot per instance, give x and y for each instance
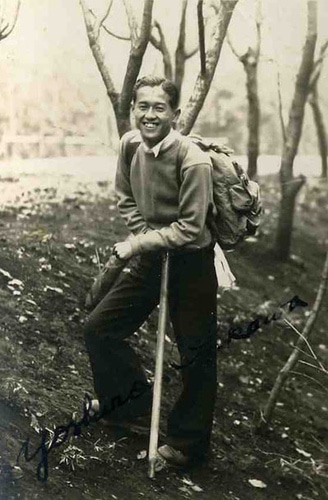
(156, 408)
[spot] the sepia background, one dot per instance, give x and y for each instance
(59, 137)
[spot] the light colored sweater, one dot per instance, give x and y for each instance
(159, 213)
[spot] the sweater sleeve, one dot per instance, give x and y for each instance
(125, 201)
(194, 200)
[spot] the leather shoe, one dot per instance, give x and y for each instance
(173, 456)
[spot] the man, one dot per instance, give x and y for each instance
(162, 212)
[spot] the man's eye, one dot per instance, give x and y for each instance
(142, 107)
(160, 109)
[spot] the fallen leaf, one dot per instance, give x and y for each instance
(257, 483)
(142, 455)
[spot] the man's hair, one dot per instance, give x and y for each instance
(156, 81)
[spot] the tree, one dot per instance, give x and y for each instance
(139, 39)
(182, 54)
(223, 12)
(6, 27)
(314, 101)
(250, 61)
(291, 185)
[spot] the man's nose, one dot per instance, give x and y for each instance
(150, 113)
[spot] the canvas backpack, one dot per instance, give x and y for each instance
(237, 201)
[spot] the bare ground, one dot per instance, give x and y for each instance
(47, 261)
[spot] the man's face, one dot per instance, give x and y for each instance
(153, 114)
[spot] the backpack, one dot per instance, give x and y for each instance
(237, 200)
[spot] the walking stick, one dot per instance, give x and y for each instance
(156, 407)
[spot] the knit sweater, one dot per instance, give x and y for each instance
(159, 213)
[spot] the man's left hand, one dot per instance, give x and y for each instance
(123, 250)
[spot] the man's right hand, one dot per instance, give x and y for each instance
(123, 250)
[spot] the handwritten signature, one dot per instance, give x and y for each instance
(247, 330)
(61, 433)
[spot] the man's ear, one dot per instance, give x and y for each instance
(177, 114)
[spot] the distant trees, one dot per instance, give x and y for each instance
(290, 185)
(140, 36)
(250, 62)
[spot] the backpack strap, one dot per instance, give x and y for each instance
(130, 151)
(182, 151)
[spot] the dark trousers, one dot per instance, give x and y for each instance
(120, 381)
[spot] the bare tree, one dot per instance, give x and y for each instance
(250, 61)
(6, 27)
(317, 112)
(223, 13)
(160, 44)
(181, 53)
(291, 185)
(139, 40)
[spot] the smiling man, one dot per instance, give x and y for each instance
(164, 200)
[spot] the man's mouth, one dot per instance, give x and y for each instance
(149, 126)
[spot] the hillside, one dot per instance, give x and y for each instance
(47, 261)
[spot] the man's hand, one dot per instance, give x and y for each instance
(123, 250)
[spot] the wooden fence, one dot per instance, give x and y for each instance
(8, 142)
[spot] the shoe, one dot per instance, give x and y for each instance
(173, 456)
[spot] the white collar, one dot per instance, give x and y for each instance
(168, 139)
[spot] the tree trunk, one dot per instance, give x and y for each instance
(213, 52)
(286, 216)
(121, 102)
(138, 49)
(290, 186)
(321, 131)
(250, 65)
(180, 58)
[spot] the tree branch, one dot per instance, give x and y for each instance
(132, 20)
(258, 25)
(102, 19)
(213, 52)
(317, 66)
(201, 37)
(98, 55)
(180, 49)
(6, 30)
(138, 48)
(280, 107)
(109, 32)
(162, 47)
(232, 47)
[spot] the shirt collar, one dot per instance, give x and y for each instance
(167, 141)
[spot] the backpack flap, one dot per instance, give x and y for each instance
(244, 198)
